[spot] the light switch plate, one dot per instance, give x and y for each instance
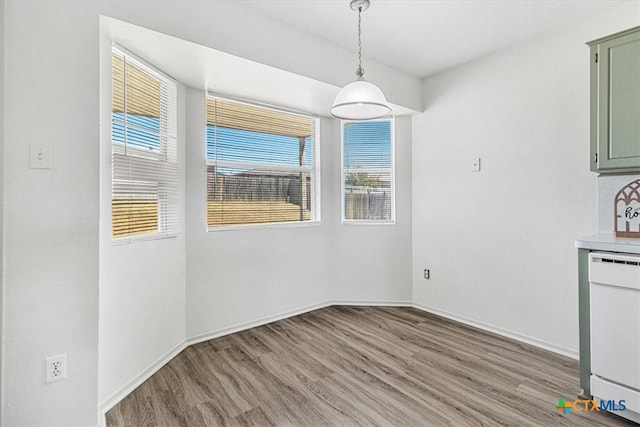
(40, 156)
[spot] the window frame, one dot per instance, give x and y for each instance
(315, 171)
(161, 154)
(391, 170)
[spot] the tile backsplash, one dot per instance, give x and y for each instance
(608, 186)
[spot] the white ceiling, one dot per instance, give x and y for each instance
(423, 37)
(211, 70)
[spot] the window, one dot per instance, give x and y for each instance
(368, 172)
(262, 165)
(144, 194)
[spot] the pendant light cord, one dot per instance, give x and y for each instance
(360, 70)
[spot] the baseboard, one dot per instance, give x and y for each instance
(254, 323)
(504, 332)
(124, 391)
(284, 315)
(359, 303)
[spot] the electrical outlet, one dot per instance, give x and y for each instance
(427, 273)
(475, 164)
(55, 368)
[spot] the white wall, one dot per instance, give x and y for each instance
(242, 276)
(51, 246)
(499, 242)
(238, 276)
(373, 263)
(51, 216)
(142, 285)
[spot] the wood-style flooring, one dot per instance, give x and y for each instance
(356, 366)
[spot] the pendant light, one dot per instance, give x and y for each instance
(360, 100)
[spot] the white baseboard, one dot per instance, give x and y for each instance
(254, 323)
(360, 303)
(284, 315)
(125, 390)
(504, 332)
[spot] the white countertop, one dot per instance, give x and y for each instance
(609, 242)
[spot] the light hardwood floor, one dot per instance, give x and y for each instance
(354, 366)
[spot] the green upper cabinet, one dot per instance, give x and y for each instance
(615, 103)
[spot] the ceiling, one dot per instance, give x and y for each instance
(424, 37)
(211, 70)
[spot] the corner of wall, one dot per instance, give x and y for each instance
(136, 337)
(2, 29)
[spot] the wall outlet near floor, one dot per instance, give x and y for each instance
(427, 273)
(55, 368)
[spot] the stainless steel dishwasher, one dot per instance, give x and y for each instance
(615, 332)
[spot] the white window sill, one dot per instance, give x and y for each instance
(296, 224)
(367, 222)
(142, 238)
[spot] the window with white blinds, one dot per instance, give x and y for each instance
(144, 196)
(368, 172)
(262, 165)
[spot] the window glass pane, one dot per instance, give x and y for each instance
(368, 171)
(238, 145)
(117, 98)
(134, 208)
(367, 144)
(142, 132)
(253, 196)
(144, 146)
(261, 165)
(367, 196)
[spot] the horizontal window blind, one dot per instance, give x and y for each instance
(144, 151)
(261, 165)
(368, 172)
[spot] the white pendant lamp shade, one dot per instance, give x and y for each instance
(360, 100)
